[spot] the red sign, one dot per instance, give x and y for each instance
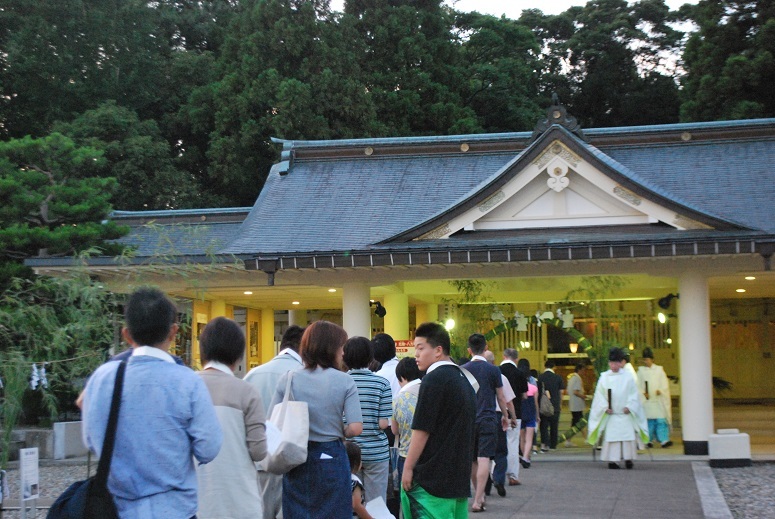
(404, 349)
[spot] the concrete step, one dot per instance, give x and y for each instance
(758, 421)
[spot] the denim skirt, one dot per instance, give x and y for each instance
(320, 487)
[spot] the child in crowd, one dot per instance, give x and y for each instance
(354, 455)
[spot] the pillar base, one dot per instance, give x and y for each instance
(729, 464)
(696, 448)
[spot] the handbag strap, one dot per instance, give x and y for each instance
(287, 396)
(103, 469)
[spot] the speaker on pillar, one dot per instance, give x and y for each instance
(379, 311)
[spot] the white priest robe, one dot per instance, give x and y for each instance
(657, 406)
(621, 429)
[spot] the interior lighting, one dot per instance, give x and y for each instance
(248, 293)
(662, 318)
(631, 346)
(449, 324)
(574, 347)
(740, 290)
(750, 278)
(669, 340)
(332, 290)
(295, 303)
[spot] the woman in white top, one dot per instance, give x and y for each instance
(320, 487)
(228, 485)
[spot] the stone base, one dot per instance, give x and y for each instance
(68, 442)
(695, 448)
(728, 464)
(729, 448)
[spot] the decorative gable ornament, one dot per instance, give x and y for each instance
(557, 114)
(557, 178)
(577, 193)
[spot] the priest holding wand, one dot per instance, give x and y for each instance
(616, 414)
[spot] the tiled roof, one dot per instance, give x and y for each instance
(734, 181)
(180, 232)
(351, 202)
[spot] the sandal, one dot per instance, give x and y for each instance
(476, 509)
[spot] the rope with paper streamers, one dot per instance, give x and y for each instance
(38, 376)
(557, 321)
(583, 342)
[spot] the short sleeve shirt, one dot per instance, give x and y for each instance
(329, 394)
(376, 400)
(446, 409)
(403, 412)
(489, 378)
(575, 384)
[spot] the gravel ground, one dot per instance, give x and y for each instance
(54, 479)
(749, 491)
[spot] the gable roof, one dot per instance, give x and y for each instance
(366, 194)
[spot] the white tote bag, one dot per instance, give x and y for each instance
(287, 434)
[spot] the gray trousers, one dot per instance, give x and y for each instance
(375, 480)
(271, 487)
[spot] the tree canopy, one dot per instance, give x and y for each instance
(730, 60)
(50, 201)
(181, 97)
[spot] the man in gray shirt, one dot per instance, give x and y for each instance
(576, 397)
(265, 378)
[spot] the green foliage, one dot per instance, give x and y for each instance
(137, 156)
(473, 314)
(412, 67)
(498, 60)
(182, 96)
(15, 383)
(593, 292)
(49, 202)
(606, 61)
(63, 57)
(68, 323)
(730, 61)
(721, 385)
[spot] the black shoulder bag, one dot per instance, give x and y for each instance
(90, 498)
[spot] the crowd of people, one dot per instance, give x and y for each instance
(413, 433)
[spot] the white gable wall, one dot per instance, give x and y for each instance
(560, 189)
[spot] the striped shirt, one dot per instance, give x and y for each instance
(376, 400)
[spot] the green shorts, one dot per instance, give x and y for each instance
(419, 504)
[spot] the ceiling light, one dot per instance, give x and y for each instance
(248, 293)
(295, 303)
(740, 290)
(332, 290)
(750, 278)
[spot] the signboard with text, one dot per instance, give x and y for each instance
(404, 349)
(28, 472)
